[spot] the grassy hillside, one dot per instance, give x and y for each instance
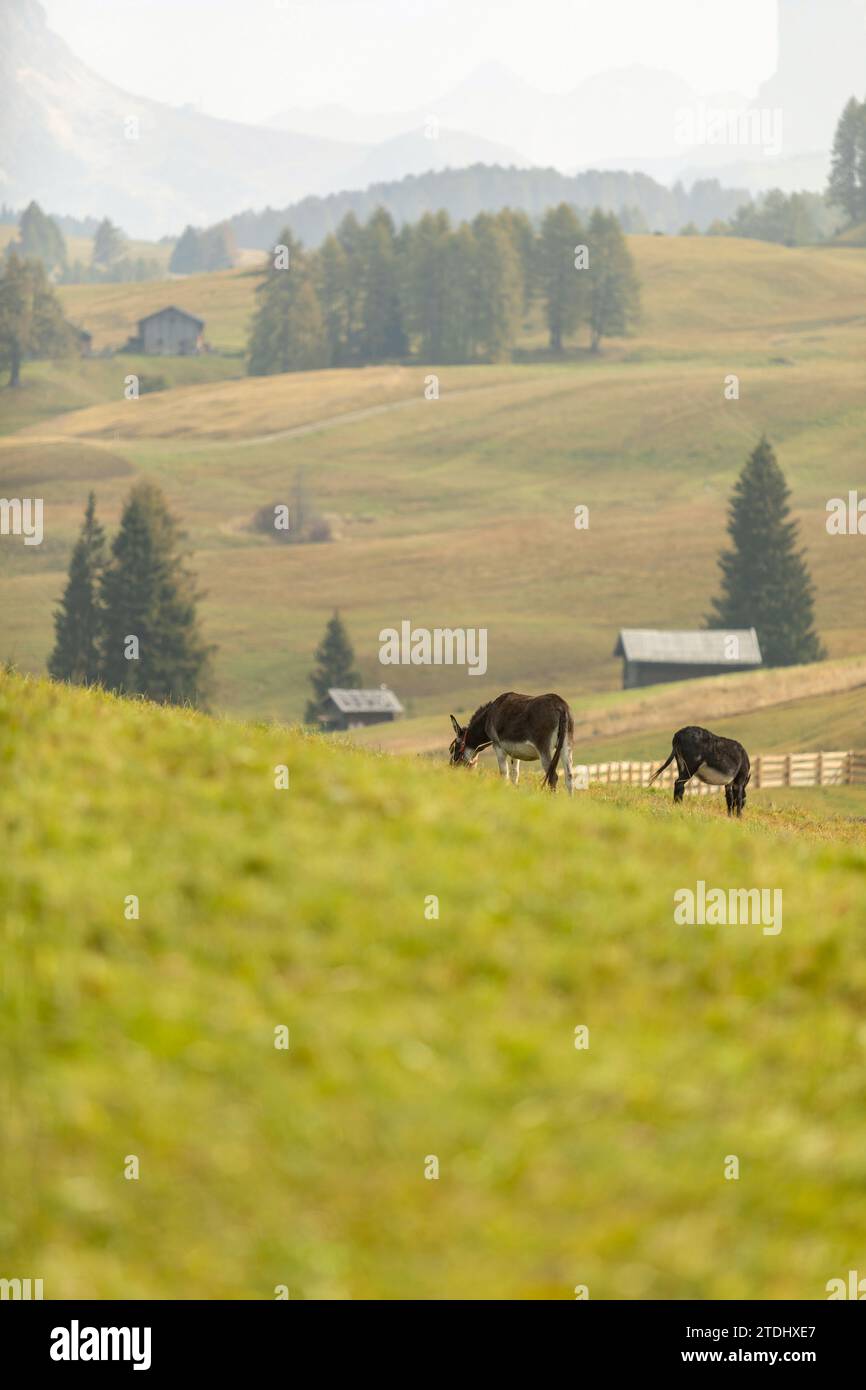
(224, 299)
(409, 1037)
(459, 512)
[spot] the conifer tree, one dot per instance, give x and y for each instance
(765, 580)
(614, 294)
(288, 334)
(497, 298)
(151, 643)
(847, 184)
(332, 283)
(382, 333)
(335, 667)
(109, 244)
(563, 286)
(78, 620)
(40, 239)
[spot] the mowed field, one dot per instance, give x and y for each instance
(459, 512)
(413, 1035)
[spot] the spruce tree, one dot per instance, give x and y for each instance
(765, 580)
(78, 620)
(334, 667)
(148, 594)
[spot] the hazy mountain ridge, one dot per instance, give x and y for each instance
(77, 143)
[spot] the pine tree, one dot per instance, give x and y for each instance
(335, 667)
(563, 286)
(288, 334)
(148, 594)
(614, 292)
(78, 620)
(765, 580)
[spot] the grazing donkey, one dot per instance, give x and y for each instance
(519, 726)
(720, 762)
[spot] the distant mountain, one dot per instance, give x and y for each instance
(644, 119)
(633, 109)
(78, 144)
(641, 202)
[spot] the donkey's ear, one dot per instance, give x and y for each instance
(457, 729)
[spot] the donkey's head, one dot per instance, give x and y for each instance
(460, 755)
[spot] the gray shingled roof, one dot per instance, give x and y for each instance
(171, 309)
(709, 648)
(366, 701)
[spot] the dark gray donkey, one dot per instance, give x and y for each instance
(519, 726)
(720, 762)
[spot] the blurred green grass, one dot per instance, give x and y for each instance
(409, 1037)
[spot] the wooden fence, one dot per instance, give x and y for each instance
(768, 770)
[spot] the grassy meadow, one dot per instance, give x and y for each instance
(460, 511)
(410, 1036)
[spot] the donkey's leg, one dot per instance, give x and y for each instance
(738, 787)
(515, 770)
(729, 797)
(683, 776)
(502, 759)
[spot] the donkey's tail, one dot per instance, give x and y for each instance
(550, 778)
(659, 770)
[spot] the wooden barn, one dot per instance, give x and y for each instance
(651, 657)
(353, 709)
(170, 332)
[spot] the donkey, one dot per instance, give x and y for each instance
(519, 726)
(720, 762)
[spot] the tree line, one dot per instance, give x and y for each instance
(40, 239)
(127, 618)
(639, 201)
(439, 292)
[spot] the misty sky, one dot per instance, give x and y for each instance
(249, 59)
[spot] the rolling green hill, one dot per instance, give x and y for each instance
(411, 1036)
(459, 512)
